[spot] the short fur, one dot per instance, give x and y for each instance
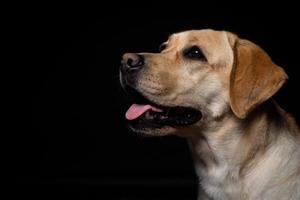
(245, 147)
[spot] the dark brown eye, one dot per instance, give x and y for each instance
(162, 47)
(195, 53)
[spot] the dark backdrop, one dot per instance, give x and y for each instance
(76, 144)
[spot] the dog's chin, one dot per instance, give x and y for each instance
(151, 131)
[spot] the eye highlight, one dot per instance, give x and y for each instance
(194, 53)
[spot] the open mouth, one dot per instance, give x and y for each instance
(152, 115)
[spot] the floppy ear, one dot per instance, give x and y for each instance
(254, 78)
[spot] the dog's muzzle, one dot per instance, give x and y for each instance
(144, 113)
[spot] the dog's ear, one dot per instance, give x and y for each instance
(254, 77)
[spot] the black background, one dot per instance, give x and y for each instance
(73, 141)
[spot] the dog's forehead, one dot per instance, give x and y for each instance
(203, 37)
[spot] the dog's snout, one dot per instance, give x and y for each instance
(133, 60)
(130, 67)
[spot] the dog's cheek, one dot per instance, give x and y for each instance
(158, 82)
(216, 100)
(167, 81)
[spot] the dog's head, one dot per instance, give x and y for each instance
(198, 75)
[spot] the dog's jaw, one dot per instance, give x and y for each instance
(164, 131)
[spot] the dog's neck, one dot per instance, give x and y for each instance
(227, 149)
(229, 139)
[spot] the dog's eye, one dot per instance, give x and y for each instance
(194, 52)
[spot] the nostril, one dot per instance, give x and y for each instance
(129, 62)
(133, 60)
(138, 62)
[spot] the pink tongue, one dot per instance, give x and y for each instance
(137, 110)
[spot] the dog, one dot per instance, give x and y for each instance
(215, 90)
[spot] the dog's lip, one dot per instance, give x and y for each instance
(149, 112)
(175, 117)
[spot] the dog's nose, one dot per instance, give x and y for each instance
(132, 60)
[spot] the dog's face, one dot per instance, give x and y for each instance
(196, 77)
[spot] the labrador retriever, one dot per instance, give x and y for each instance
(215, 89)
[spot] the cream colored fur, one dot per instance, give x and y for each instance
(245, 147)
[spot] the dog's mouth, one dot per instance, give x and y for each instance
(147, 114)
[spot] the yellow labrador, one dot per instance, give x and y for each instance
(214, 89)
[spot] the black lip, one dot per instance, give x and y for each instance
(170, 116)
(176, 117)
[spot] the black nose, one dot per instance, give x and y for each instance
(132, 61)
